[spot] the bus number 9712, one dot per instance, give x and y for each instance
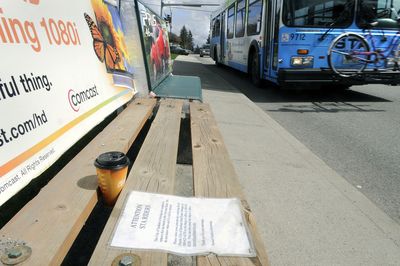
(297, 37)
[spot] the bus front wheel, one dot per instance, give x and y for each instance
(255, 70)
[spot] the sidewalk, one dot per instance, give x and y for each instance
(307, 213)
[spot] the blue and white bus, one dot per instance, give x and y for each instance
(292, 42)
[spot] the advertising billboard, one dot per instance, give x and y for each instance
(155, 45)
(65, 66)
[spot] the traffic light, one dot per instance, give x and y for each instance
(168, 18)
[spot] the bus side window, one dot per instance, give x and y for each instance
(217, 26)
(240, 11)
(231, 21)
(213, 28)
(254, 17)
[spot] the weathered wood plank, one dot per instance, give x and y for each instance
(214, 176)
(153, 171)
(51, 221)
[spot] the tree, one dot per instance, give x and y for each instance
(183, 36)
(190, 43)
(186, 38)
(208, 39)
(173, 38)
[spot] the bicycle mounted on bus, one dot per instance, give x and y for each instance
(351, 53)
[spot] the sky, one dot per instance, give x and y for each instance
(196, 19)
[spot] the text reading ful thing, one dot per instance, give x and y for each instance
(16, 31)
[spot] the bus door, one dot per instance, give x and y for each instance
(268, 36)
(222, 39)
(273, 13)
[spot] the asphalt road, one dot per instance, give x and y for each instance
(356, 132)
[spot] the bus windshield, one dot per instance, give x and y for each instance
(318, 13)
(379, 13)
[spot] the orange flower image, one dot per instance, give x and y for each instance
(33, 2)
(108, 37)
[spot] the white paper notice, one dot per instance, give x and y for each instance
(187, 226)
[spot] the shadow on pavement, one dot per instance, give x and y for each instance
(209, 80)
(312, 100)
(321, 107)
(272, 94)
(268, 93)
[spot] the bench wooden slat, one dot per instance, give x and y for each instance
(153, 171)
(51, 221)
(214, 176)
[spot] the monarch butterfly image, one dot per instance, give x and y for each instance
(103, 44)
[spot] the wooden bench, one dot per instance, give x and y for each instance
(51, 222)
(154, 171)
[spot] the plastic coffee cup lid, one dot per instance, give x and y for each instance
(113, 160)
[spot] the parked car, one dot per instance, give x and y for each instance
(205, 50)
(178, 50)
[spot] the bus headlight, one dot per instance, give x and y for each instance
(390, 62)
(302, 60)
